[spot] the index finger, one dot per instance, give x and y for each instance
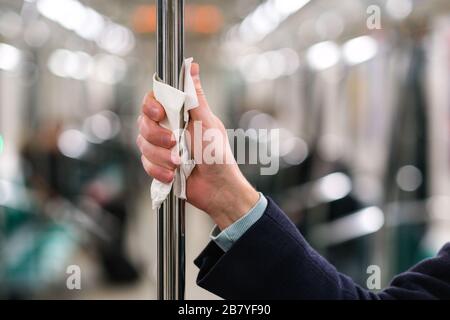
(152, 108)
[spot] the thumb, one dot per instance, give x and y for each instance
(203, 109)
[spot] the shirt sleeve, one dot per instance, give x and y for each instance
(227, 237)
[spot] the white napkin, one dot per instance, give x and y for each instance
(173, 101)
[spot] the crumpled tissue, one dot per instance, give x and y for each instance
(173, 100)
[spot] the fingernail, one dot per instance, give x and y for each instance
(175, 159)
(165, 139)
(139, 119)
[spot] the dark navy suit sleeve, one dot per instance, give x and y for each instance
(273, 261)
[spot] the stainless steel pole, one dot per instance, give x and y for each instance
(171, 228)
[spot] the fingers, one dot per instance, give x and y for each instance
(155, 142)
(159, 156)
(195, 74)
(152, 108)
(155, 134)
(159, 173)
(202, 111)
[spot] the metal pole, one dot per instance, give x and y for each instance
(171, 229)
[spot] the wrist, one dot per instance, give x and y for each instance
(234, 201)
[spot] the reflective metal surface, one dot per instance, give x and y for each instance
(171, 229)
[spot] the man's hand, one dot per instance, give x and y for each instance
(219, 189)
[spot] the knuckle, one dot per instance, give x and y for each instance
(145, 130)
(149, 171)
(147, 166)
(147, 151)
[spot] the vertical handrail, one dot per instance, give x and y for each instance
(170, 221)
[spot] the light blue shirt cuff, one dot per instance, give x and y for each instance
(227, 237)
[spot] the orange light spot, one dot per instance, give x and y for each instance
(207, 19)
(144, 19)
(204, 19)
